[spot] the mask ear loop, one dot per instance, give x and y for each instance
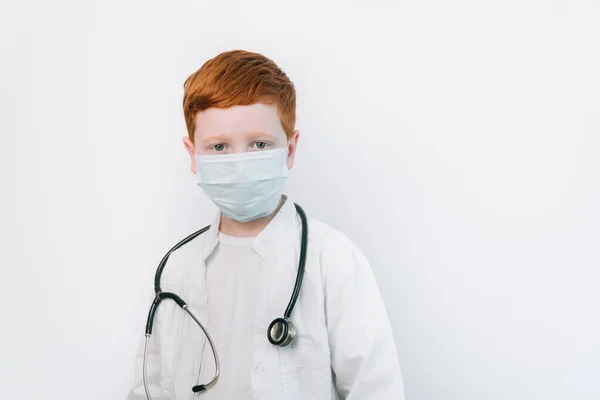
(281, 331)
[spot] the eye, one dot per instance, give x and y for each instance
(219, 147)
(261, 145)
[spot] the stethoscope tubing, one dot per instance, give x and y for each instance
(288, 328)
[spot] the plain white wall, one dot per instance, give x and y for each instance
(457, 144)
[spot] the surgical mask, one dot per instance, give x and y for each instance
(245, 186)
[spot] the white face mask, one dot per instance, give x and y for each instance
(245, 186)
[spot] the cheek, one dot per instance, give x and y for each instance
(201, 151)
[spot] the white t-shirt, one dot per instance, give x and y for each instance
(233, 277)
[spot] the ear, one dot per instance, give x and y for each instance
(189, 146)
(292, 145)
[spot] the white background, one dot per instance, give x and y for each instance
(457, 143)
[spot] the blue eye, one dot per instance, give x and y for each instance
(219, 147)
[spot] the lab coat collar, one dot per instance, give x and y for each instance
(212, 236)
(270, 234)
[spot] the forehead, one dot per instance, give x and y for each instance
(238, 120)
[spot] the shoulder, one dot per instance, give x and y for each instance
(335, 249)
(326, 235)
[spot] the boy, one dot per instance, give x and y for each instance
(239, 275)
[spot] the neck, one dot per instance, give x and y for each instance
(252, 228)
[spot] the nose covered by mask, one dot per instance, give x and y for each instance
(245, 186)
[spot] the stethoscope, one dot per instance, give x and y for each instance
(281, 331)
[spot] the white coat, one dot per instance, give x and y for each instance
(344, 348)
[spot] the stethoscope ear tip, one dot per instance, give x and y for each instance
(198, 388)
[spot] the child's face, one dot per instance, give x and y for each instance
(239, 129)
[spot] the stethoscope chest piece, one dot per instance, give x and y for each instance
(281, 332)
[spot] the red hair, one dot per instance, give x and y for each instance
(239, 77)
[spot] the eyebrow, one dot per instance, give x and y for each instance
(218, 136)
(223, 136)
